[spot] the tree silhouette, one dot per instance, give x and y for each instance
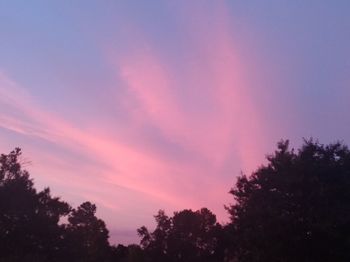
(296, 208)
(87, 235)
(119, 253)
(187, 236)
(131, 253)
(29, 229)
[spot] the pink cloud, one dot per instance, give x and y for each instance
(120, 164)
(205, 110)
(232, 117)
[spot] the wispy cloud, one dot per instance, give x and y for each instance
(29, 119)
(184, 127)
(226, 116)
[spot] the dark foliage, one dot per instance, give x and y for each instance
(30, 228)
(86, 235)
(187, 236)
(131, 253)
(296, 208)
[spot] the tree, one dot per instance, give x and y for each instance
(295, 208)
(119, 253)
(130, 253)
(187, 236)
(29, 229)
(87, 235)
(155, 243)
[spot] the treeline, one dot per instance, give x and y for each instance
(295, 208)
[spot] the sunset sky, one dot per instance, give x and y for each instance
(138, 106)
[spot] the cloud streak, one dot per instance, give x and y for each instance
(185, 129)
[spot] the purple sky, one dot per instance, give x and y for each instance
(145, 105)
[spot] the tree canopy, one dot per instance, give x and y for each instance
(295, 208)
(30, 228)
(87, 234)
(186, 236)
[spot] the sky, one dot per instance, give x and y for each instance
(138, 106)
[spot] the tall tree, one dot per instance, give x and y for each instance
(87, 235)
(29, 228)
(295, 208)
